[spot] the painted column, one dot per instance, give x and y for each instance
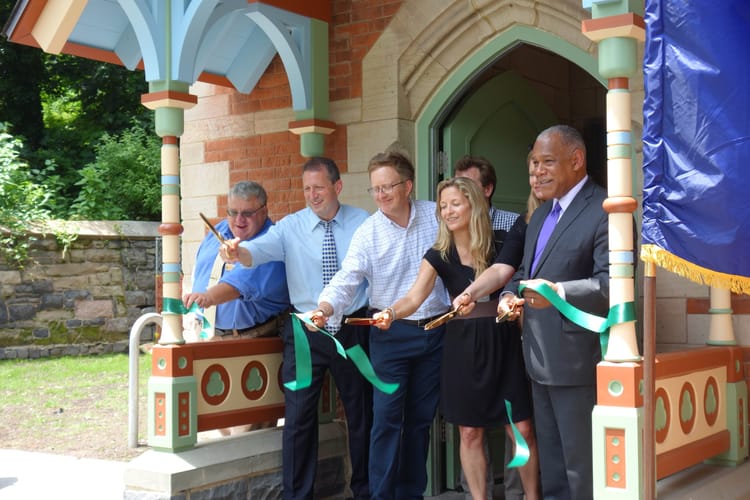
(735, 405)
(721, 331)
(172, 399)
(172, 411)
(618, 431)
(169, 106)
(312, 124)
(617, 420)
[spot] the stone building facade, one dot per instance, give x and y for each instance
(397, 71)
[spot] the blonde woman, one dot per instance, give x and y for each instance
(482, 361)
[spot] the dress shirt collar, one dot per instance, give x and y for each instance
(412, 216)
(312, 220)
(566, 199)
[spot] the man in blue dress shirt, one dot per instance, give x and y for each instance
(239, 302)
(297, 240)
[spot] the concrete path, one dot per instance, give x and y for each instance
(28, 476)
(25, 475)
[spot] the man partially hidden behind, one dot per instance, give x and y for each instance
(481, 171)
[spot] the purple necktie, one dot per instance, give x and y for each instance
(545, 233)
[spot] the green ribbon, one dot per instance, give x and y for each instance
(339, 348)
(619, 313)
(521, 451)
(303, 359)
(361, 361)
(175, 306)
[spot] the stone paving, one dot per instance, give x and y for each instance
(26, 475)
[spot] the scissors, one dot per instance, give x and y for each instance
(212, 228)
(360, 321)
(506, 315)
(441, 319)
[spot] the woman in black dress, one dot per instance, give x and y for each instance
(482, 360)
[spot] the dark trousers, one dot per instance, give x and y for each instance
(300, 434)
(562, 416)
(400, 437)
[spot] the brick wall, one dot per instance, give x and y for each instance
(231, 136)
(356, 26)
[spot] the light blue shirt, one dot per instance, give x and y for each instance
(297, 240)
(262, 290)
(388, 256)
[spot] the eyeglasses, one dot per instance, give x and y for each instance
(246, 214)
(387, 189)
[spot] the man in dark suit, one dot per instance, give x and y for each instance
(560, 356)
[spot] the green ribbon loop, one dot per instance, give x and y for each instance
(175, 306)
(362, 362)
(303, 358)
(521, 452)
(619, 313)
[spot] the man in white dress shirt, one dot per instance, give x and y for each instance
(386, 250)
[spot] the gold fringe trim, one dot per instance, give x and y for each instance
(693, 272)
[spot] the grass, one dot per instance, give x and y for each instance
(70, 405)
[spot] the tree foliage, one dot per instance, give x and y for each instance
(21, 202)
(64, 109)
(123, 182)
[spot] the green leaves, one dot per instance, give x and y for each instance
(61, 107)
(123, 182)
(21, 202)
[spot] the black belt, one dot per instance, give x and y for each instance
(222, 332)
(419, 322)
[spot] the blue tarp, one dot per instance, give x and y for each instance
(696, 139)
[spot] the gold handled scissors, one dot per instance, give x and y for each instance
(506, 315)
(360, 321)
(212, 228)
(441, 319)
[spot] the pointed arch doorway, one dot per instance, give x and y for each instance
(497, 101)
(494, 105)
(499, 121)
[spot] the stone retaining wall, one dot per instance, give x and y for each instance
(82, 302)
(57, 350)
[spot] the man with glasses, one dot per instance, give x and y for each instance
(386, 251)
(299, 240)
(239, 302)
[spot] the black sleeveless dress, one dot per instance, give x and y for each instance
(482, 360)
